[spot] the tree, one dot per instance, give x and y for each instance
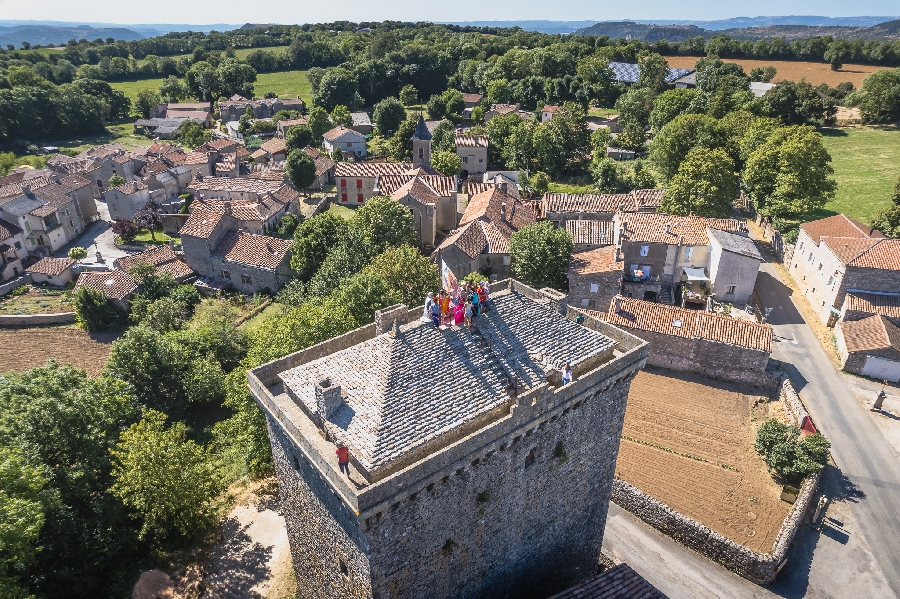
(125, 229)
(653, 71)
(838, 52)
(21, 518)
(298, 137)
(115, 181)
(407, 271)
(787, 453)
(318, 123)
(300, 169)
(338, 86)
(540, 254)
(401, 142)
(799, 103)
(607, 175)
(478, 114)
(684, 133)
(341, 116)
(788, 175)
(668, 105)
(173, 89)
(540, 183)
(634, 108)
(409, 95)
(448, 104)
(384, 223)
(146, 100)
(94, 312)
(888, 220)
(312, 240)
(365, 292)
(148, 217)
(192, 134)
(388, 114)
(446, 162)
(443, 137)
(705, 185)
(77, 253)
(499, 129)
(172, 496)
(499, 92)
(879, 98)
(763, 74)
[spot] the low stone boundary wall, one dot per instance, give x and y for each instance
(761, 568)
(15, 283)
(30, 320)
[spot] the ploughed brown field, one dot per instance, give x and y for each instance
(789, 70)
(27, 348)
(724, 485)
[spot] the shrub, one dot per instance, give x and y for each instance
(125, 229)
(787, 453)
(94, 312)
(78, 253)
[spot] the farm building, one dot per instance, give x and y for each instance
(868, 335)
(52, 271)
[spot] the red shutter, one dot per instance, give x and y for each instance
(359, 198)
(343, 183)
(359, 184)
(343, 197)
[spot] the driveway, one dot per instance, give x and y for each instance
(99, 233)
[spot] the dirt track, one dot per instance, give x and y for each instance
(711, 472)
(28, 348)
(794, 70)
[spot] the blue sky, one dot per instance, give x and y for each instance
(305, 11)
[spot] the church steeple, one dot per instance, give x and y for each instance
(421, 141)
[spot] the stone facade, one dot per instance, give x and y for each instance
(470, 517)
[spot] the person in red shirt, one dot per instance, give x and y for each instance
(343, 454)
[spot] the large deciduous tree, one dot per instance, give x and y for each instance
(675, 140)
(312, 240)
(888, 220)
(300, 168)
(705, 185)
(540, 254)
(388, 115)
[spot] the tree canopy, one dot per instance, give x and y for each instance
(540, 254)
(705, 185)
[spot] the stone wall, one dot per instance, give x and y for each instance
(609, 284)
(31, 320)
(761, 568)
(14, 283)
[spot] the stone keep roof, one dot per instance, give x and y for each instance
(736, 244)
(115, 284)
(619, 582)
(162, 257)
(875, 332)
(596, 261)
(393, 402)
(690, 324)
(588, 202)
(259, 251)
(839, 225)
(51, 266)
(590, 232)
(668, 228)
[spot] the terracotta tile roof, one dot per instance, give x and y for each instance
(238, 184)
(847, 249)
(227, 163)
(489, 203)
(201, 223)
(156, 166)
(221, 144)
(647, 198)
(619, 582)
(15, 189)
(839, 225)
(115, 284)
(274, 146)
(590, 232)
(12, 178)
(478, 187)
(272, 171)
(472, 141)
(596, 261)
(196, 157)
(186, 114)
(242, 152)
(651, 227)
(260, 153)
(550, 108)
(417, 189)
(690, 324)
(8, 229)
(884, 255)
(369, 169)
(873, 303)
(51, 266)
(470, 239)
(74, 182)
(203, 106)
(472, 98)
(389, 184)
(876, 332)
(577, 202)
(253, 250)
(286, 194)
(340, 131)
(288, 123)
(162, 257)
(130, 188)
(103, 151)
(323, 163)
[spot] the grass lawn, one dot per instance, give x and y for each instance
(287, 84)
(602, 112)
(269, 312)
(35, 300)
(144, 238)
(131, 88)
(342, 211)
(866, 163)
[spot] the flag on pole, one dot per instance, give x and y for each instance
(448, 279)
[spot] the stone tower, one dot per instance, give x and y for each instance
(421, 141)
(473, 472)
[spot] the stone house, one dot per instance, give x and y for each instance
(281, 128)
(162, 258)
(356, 180)
(200, 163)
(501, 109)
(117, 285)
(836, 254)
(257, 215)
(595, 277)
(234, 107)
(125, 200)
(232, 188)
(361, 122)
(481, 241)
(50, 215)
(704, 343)
(112, 159)
(431, 211)
(548, 112)
(733, 265)
(436, 453)
(202, 117)
(666, 254)
(472, 100)
(275, 149)
(867, 335)
(52, 271)
(325, 167)
(349, 141)
(12, 250)
(473, 151)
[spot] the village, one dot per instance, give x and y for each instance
(629, 374)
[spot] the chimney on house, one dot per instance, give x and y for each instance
(668, 228)
(199, 177)
(503, 186)
(328, 398)
(681, 240)
(616, 301)
(503, 211)
(26, 189)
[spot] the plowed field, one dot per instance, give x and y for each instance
(27, 348)
(688, 442)
(794, 70)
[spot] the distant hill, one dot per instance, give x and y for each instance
(680, 32)
(812, 21)
(44, 34)
(534, 25)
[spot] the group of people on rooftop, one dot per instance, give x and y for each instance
(462, 305)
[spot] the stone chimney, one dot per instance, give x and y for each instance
(386, 317)
(681, 240)
(503, 186)
(668, 228)
(618, 302)
(328, 398)
(26, 189)
(503, 211)
(199, 177)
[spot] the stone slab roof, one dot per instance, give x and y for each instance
(689, 324)
(596, 261)
(360, 119)
(736, 244)
(839, 225)
(652, 228)
(875, 332)
(115, 284)
(590, 232)
(400, 393)
(619, 582)
(51, 266)
(587, 203)
(259, 251)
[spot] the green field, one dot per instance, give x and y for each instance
(866, 165)
(287, 84)
(131, 88)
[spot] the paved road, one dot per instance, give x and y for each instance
(100, 233)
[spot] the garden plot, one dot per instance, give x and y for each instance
(688, 442)
(67, 345)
